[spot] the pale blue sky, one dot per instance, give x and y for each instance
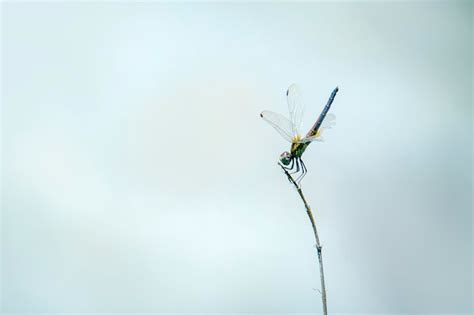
(137, 175)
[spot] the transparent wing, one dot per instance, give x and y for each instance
(311, 139)
(295, 108)
(328, 123)
(279, 122)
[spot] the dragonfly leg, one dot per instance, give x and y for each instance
(297, 163)
(288, 168)
(303, 172)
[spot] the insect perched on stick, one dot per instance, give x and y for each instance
(289, 129)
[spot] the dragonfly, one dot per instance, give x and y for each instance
(289, 129)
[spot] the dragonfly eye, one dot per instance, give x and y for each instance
(285, 158)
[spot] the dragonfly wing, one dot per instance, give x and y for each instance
(295, 108)
(311, 139)
(279, 122)
(329, 122)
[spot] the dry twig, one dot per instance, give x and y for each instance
(318, 244)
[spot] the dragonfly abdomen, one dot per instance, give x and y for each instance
(314, 130)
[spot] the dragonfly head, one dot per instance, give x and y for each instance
(285, 158)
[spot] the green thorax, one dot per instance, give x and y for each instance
(297, 149)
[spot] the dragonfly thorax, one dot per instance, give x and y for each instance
(296, 139)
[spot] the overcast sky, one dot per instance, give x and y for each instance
(139, 177)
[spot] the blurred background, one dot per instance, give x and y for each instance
(137, 175)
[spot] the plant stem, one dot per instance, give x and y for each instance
(316, 236)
